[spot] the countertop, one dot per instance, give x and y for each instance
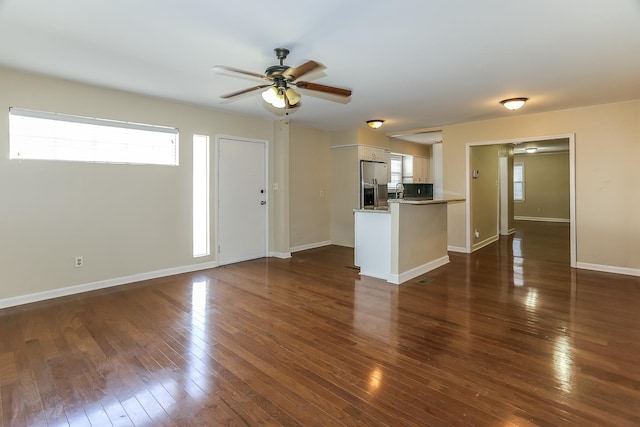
(422, 201)
(376, 211)
(412, 201)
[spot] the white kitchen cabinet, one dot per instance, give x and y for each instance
(427, 171)
(416, 169)
(418, 166)
(366, 152)
(387, 160)
(422, 169)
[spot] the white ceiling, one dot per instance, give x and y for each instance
(414, 63)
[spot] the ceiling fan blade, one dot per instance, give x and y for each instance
(292, 74)
(239, 71)
(326, 89)
(243, 91)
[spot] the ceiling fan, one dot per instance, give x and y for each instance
(280, 80)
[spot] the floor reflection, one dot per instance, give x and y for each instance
(198, 339)
(518, 272)
(375, 379)
(516, 246)
(531, 301)
(375, 310)
(563, 363)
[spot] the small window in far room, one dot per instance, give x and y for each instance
(518, 182)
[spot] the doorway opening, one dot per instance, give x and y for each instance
(501, 193)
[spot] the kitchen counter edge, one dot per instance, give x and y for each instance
(411, 202)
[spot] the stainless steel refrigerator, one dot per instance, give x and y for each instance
(374, 177)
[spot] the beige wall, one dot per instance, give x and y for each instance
(129, 220)
(484, 193)
(546, 186)
(345, 193)
(607, 152)
(125, 220)
(375, 138)
(372, 137)
(410, 148)
(309, 174)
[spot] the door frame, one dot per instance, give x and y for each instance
(572, 184)
(503, 199)
(216, 187)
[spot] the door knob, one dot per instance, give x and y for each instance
(263, 202)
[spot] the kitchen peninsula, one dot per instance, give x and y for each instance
(404, 241)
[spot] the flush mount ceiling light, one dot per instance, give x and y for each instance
(531, 150)
(375, 124)
(514, 103)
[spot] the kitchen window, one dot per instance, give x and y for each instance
(51, 136)
(518, 182)
(396, 172)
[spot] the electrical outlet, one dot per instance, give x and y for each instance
(79, 262)
(476, 233)
(321, 193)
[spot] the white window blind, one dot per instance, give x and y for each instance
(518, 182)
(52, 136)
(396, 171)
(201, 240)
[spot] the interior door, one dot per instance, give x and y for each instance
(242, 200)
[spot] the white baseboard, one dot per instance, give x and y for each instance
(541, 219)
(509, 232)
(485, 242)
(373, 274)
(609, 269)
(281, 255)
(398, 279)
(310, 246)
(102, 284)
(457, 249)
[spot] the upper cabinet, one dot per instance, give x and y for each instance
(375, 154)
(416, 169)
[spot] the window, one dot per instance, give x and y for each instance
(518, 182)
(396, 171)
(200, 196)
(53, 136)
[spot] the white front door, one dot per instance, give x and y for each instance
(241, 200)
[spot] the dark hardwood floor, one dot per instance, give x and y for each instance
(507, 336)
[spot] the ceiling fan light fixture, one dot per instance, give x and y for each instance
(514, 103)
(279, 101)
(292, 96)
(375, 123)
(277, 93)
(270, 95)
